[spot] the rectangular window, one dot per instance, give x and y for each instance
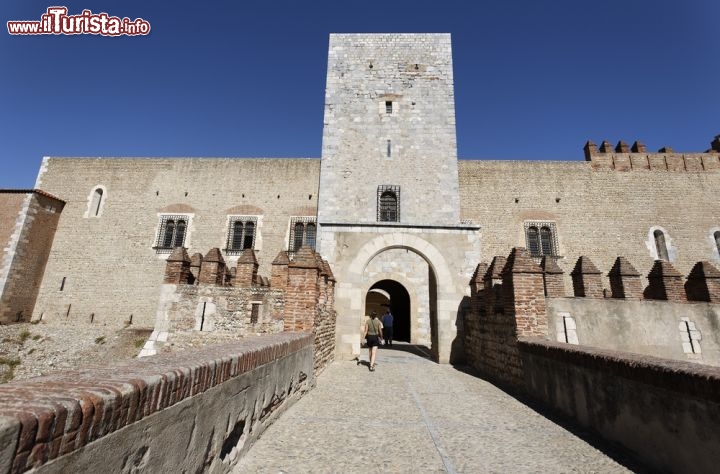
(303, 231)
(388, 107)
(171, 232)
(255, 313)
(388, 203)
(541, 238)
(389, 149)
(241, 234)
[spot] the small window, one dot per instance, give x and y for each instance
(388, 203)
(541, 238)
(389, 149)
(660, 245)
(171, 233)
(95, 202)
(302, 233)
(717, 241)
(388, 107)
(241, 234)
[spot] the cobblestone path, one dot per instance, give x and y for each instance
(412, 415)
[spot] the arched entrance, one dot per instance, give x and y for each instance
(390, 294)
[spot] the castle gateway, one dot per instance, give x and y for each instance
(399, 220)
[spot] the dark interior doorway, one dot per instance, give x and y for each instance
(399, 303)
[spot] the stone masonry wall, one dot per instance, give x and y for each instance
(410, 143)
(123, 235)
(666, 412)
(141, 415)
(26, 244)
(599, 213)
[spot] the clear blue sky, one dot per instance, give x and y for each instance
(533, 80)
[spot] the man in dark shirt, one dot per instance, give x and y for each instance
(387, 321)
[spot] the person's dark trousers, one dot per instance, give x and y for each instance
(388, 333)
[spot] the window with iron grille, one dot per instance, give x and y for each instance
(388, 203)
(171, 233)
(241, 234)
(541, 238)
(303, 231)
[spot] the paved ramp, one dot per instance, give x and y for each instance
(412, 415)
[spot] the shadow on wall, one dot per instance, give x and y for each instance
(457, 347)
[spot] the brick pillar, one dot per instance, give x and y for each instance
(195, 264)
(524, 294)
(493, 285)
(587, 279)
(477, 288)
(552, 278)
(590, 150)
(177, 267)
(665, 283)
(301, 293)
(625, 280)
(703, 283)
(212, 271)
(279, 273)
(247, 268)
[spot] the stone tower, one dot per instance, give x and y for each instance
(389, 126)
(389, 206)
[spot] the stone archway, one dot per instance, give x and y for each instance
(391, 294)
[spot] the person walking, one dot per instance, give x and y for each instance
(387, 322)
(372, 334)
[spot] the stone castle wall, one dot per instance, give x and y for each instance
(27, 226)
(110, 266)
(598, 213)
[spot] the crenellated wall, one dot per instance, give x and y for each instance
(141, 415)
(203, 296)
(666, 411)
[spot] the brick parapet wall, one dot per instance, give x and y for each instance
(625, 398)
(587, 279)
(47, 417)
(622, 158)
(665, 283)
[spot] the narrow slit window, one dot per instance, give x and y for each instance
(717, 240)
(660, 245)
(533, 240)
(96, 201)
(389, 149)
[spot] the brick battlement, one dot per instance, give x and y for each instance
(48, 417)
(624, 158)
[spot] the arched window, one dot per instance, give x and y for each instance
(241, 234)
(249, 237)
(303, 231)
(95, 203)
(388, 205)
(310, 235)
(660, 245)
(171, 233)
(541, 238)
(533, 240)
(237, 236)
(546, 240)
(717, 240)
